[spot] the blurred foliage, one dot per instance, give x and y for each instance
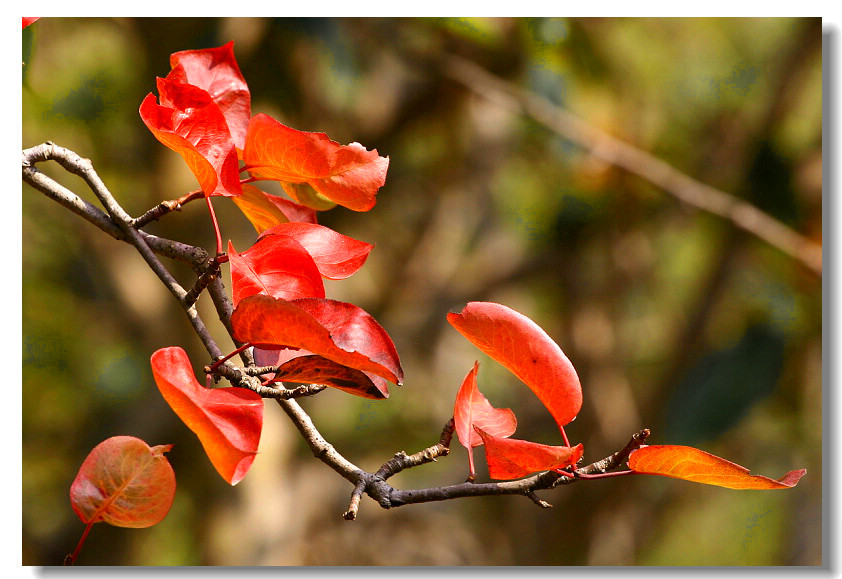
(674, 319)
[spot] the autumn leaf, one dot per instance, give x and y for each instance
(27, 20)
(312, 369)
(692, 464)
(510, 458)
(124, 483)
(527, 351)
(337, 256)
(216, 71)
(347, 175)
(338, 331)
(276, 265)
(189, 122)
(228, 421)
(473, 409)
(264, 211)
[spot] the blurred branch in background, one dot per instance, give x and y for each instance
(636, 161)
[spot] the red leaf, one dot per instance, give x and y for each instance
(191, 124)
(312, 369)
(473, 409)
(265, 211)
(527, 351)
(27, 20)
(216, 71)
(337, 256)
(509, 458)
(688, 463)
(348, 175)
(338, 331)
(277, 265)
(228, 421)
(125, 483)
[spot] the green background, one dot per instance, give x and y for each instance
(675, 319)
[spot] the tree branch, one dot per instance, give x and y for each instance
(637, 161)
(121, 226)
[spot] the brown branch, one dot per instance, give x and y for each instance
(77, 165)
(637, 161)
(245, 378)
(120, 226)
(165, 207)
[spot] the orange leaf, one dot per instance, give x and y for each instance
(527, 351)
(473, 409)
(125, 483)
(338, 331)
(228, 421)
(265, 211)
(337, 256)
(276, 265)
(348, 175)
(688, 463)
(509, 458)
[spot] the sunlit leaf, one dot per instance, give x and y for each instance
(125, 483)
(265, 211)
(510, 458)
(473, 409)
(276, 265)
(688, 463)
(348, 175)
(216, 71)
(527, 351)
(338, 331)
(191, 124)
(337, 256)
(228, 421)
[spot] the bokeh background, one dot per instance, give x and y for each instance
(675, 319)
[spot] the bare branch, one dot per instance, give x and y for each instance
(122, 227)
(636, 161)
(165, 207)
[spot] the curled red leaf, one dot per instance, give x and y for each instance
(216, 71)
(510, 458)
(124, 483)
(692, 464)
(337, 256)
(472, 409)
(527, 351)
(189, 122)
(312, 369)
(228, 421)
(308, 163)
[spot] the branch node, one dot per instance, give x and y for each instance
(538, 501)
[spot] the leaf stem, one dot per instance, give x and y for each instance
(215, 226)
(71, 559)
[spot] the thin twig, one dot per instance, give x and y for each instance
(165, 207)
(637, 161)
